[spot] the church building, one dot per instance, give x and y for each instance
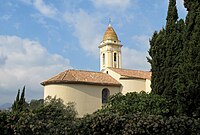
(89, 90)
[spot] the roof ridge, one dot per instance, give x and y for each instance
(128, 69)
(132, 73)
(65, 73)
(84, 70)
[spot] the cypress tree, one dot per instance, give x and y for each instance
(22, 98)
(157, 53)
(22, 102)
(189, 82)
(172, 16)
(173, 50)
(164, 49)
(16, 102)
(153, 61)
(175, 53)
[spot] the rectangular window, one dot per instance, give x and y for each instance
(115, 57)
(103, 59)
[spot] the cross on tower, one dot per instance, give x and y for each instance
(109, 20)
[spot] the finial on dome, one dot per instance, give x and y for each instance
(109, 25)
(110, 33)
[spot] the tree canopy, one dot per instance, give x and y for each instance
(175, 58)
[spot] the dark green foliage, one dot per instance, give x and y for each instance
(175, 59)
(49, 118)
(144, 103)
(100, 124)
(16, 102)
(137, 114)
(35, 104)
(190, 4)
(172, 16)
(4, 127)
(20, 103)
(169, 71)
(189, 70)
(8, 121)
(53, 117)
(174, 47)
(130, 114)
(157, 53)
(106, 123)
(166, 47)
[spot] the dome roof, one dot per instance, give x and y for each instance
(110, 34)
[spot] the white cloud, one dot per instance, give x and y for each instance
(3, 59)
(133, 59)
(87, 29)
(26, 62)
(44, 9)
(142, 41)
(136, 58)
(112, 4)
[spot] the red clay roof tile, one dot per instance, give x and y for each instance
(132, 73)
(82, 77)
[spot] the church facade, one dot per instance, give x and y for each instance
(89, 90)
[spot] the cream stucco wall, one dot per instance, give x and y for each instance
(148, 85)
(88, 98)
(133, 85)
(112, 73)
(130, 84)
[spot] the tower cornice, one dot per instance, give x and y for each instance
(105, 44)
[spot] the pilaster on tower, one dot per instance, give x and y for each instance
(110, 50)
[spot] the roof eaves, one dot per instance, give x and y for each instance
(131, 77)
(79, 82)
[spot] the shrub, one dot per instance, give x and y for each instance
(132, 103)
(136, 124)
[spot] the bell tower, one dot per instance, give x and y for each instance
(110, 50)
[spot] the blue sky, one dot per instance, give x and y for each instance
(40, 38)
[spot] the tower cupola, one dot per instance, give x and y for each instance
(110, 34)
(110, 49)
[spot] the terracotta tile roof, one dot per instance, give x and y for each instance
(127, 73)
(82, 77)
(110, 34)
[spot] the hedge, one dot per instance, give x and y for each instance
(136, 124)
